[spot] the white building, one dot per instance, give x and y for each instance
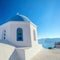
(21, 33)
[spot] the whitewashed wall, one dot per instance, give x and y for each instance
(11, 33)
(33, 27)
(6, 51)
(26, 33)
(28, 53)
(28, 37)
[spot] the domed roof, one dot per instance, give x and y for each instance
(19, 18)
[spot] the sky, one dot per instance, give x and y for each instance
(44, 13)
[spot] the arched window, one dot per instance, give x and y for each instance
(19, 34)
(34, 34)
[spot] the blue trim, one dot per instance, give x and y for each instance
(19, 34)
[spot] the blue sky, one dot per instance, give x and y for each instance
(44, 13)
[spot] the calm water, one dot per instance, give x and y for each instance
(48, 42)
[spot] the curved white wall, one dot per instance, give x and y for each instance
(6, 51)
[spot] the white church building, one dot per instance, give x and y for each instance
(18, 39)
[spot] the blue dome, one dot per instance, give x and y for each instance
(19, 18)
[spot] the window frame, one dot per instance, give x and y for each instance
(19, 38)
(34, 34)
